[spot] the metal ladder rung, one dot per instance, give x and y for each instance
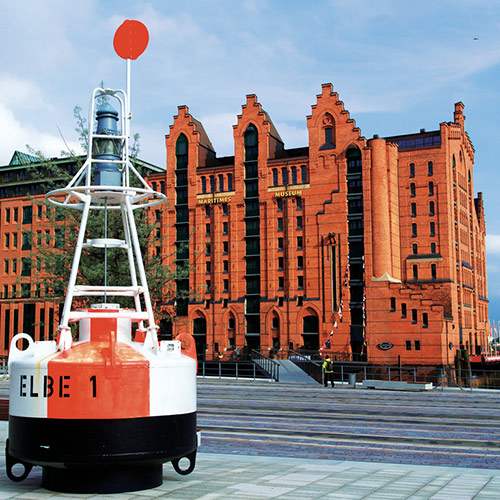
(119, 291)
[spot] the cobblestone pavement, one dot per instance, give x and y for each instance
(449, 428)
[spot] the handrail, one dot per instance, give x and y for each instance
(266, 363)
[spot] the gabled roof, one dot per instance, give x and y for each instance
(20, 158)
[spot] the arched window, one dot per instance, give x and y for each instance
(229, 182)
(212, 184)
(181, 151)
(294, 175)
(431, 209)
(433, 248)
(284, 176)
(275, 176)
(453, 162)
(303, 174)
(328, 132)
(221, 183)
(203, 184)
(251, 143)
(433, 271)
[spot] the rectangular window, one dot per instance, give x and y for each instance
(403, 310)
(225, 264)
(299, 203)
(280, 224)
(425, 320)
(40, 211)
(281, 283)
(6, 266)
(413, 209)
(280, 263)
(413, 315)
(299, 242)
(300, 282)
(7, 240)
(417, 345)
(299, 223)
(208, 285)
(280, 301)
(225, 247)
(275, 176)
(14, 266)
(7, 215)
(280, 243)
(412, 170)
(300, 262)
(225, 209)
(393, 304)
(26, 242)
(294, 175)
(16, 214)
(226, 285)
(279, 203)
(431, 209)
(431, 188)
(414, 230)
(412, 190)
(415, 272)
(14, 242)
(408, 345)
(430, 169)
(207, 211)
(225, 227)
(229, 182)
(300, 301)
(27, 214)
(207, 229)
(415, 249)
(432, 229)
(208, 267)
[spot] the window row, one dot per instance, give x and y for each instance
(299, 225)
(414, 313)
(415, 248)
(217, 185)
(300, 283)
(289, 176)
(154, 185)
(432, 209)
(225, 210)
(432, 230)
(413, 189)
(430, 169)
(298, 204)
(299, 243)
(414, 268)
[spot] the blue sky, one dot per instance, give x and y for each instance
(398, 65)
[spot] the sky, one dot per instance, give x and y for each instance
(398, 66)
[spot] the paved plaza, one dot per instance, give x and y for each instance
(245, 457)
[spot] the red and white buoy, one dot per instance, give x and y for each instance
(103, 413)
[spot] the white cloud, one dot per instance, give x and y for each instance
(16, 135)
(493, 245)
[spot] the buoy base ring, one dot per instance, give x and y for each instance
(102, 479)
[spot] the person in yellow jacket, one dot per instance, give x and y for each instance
(328, 371)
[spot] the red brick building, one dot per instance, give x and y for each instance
(374, 245)
(380, 241)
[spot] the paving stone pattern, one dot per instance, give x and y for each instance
(449, 428)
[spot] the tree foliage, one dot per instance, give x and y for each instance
(53, 242)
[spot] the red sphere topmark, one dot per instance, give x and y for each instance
(131, 39)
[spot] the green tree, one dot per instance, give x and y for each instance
(53, 243)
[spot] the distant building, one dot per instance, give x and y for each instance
(372, 247)
(24, 306)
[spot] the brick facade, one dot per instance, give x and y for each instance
(377, 240)
(365, 243)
